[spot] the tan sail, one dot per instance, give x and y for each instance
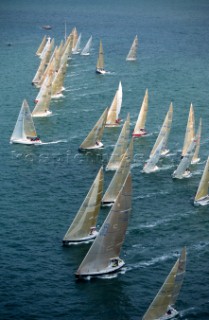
(50, 69)
(100, 60)
(139, 129)
(169, 291)
(196, 158)
(42, 106)
(132, 55)
(83, 226)
(189, 134)
(202, 191)
(93, 140)
(114, 110)
(164, 131)
(120, 147)
(41, 46)
(103, 255)
(58, 82)
(119, 177)
(74, 33)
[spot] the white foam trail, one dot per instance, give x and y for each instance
(54, 142)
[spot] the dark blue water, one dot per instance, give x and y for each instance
(42, 187)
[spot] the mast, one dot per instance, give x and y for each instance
(108, 243)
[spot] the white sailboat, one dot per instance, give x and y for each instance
(41, 108)
(151, 163)
(87, 47)
(83, 227)
(196, 157)
(162, 307)
(100, 61)
(77, 49)
(113, 119)
(24, 131)
(164, 132)
(202, 196)
(182, 170)
(119, 177)
(190, 131)
(41, 46)
(93, 139)
(103, 256)
(120, 146)
(132, 55)
(139, 129)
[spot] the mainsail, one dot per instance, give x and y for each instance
(114, 110)
(132, 55)
(103, 255)
(202, 196)
(84, 224)
(87, 47)
(150, 165)
(168, 293)
(77, 49)
(120, 146)
(119, 177)
(100, 60)
(41, 46)
(42, 106)
(190, 131)
(93, 140)
(164, 131)
(196, 158)
(139, 129)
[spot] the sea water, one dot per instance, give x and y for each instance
(42, 187)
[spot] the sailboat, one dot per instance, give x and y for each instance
(182, 170)
(120, 146)
(58, 82)
(100, 60)
(24, 131)
(196, 157)
(93, 139)
(74, 34)
(77, 49)
(162, 307)
(132, 55)
(190, 131)
(87, 47)
(164, 132)
(113, 119)
(83, 227)
(43, 101)
(119, 177)
(202, 196)
(41, 46)
(151, 163)
(139, 129)
(103, 256)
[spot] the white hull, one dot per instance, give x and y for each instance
(99, 145)
(81, 240)
(165, 152)
(204, 201)
(172, 313)
(186, 174)
(26, 141)
(195, 161)
(151, 170)
(110, 269)
(42, 115)
(101, 71)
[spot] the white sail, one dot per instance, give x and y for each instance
(139, 129)
(132, 55)
(46, 48)
(24, 131)
(164, 132)
(43, 102)
(202, 196)
(162, 307)
(114, 110)
(119, 177)
(87, 47)
(190, 131)
(196, 157)
(151, 163)
(93, 139)
(182, 170)
(83, 227)
(120, 146)
(103, 255)
(77, 49)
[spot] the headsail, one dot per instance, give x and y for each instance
(77, 49)
(103, 255)
(132, 55)
(139, 129)
(120, 146)
(114, 110)
(83, 226)
(93, 140)
(86, 49)
(196, 158)
(150, 165)
(202, 196)
(190, 131)
(168, 293)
